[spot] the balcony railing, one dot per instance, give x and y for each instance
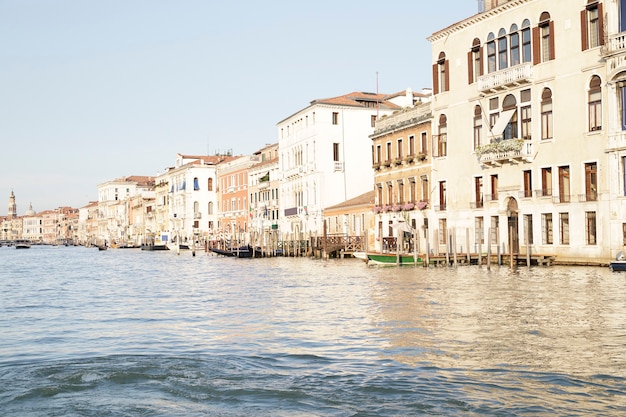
(501, 80)
(510, 150)
(616, 44)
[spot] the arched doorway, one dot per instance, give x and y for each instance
(513, 229)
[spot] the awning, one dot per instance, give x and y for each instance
(401, 226)
(501, 123)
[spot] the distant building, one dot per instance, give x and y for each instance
(325, 156)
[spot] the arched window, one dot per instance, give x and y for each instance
(196, 207)
(442, 137)
(210, 207)
(210, 184)
(441, 76)
(543, 36)
(592, 25)
(510, 105)
(196, 185)
(546, 114)
(502, 50)
(595, 104)
(478, 126)
(474, 61)
(526, 45)
(514, 40)
(491, 53)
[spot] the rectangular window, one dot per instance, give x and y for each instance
(412, 145)
(528, 229)
(399, 150)
(373, 121)
(424, 143)
(478, 192)
(412, 191)
(623, 234)
(544, 29)
(590, 227)
(564, 184)
(400, 192)
(443, 232)
(442, 195)
(494, 187)
(528, 183)
(564, 228)
(478, 131)
(335, 118)
(336, 152)
(479, 226)
(425, 189)
(389, 152)
(546, 182)
(591, 181)
(495, 232)
(379, 154)
(546, 226)
(526, 119)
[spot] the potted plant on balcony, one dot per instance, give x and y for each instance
(377, 209)
(397, 161)
(396, 207)
(422, 205)
(409, 158)
(421, 156)
(501, 146)
(387, 208)
(376, 166)
(409, 206)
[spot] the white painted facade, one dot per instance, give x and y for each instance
(325, 157)
(533, 146)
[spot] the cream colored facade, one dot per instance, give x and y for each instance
(522, 115)
(263, 185)
(402, 157)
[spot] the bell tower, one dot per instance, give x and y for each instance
(12, 212)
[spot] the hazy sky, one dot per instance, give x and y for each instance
(94, 90)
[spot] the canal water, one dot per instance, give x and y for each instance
(130, 333)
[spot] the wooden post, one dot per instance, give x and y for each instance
(427, 247)
(527, 233)
(467, 245)
(325, 236)
(489, 250)
(510, 221)
(454, 249)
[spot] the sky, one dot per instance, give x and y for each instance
(91, 91)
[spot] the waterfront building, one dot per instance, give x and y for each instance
(525, 94)
(32, 226)
(325, 156)
(87, 224)
(186, 197)
(234, 211)
(402, 157)
(114, 206)
(350, 225)
(263, 183)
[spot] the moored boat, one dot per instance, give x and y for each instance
(391, 259)
(619, 264)
(22, 244)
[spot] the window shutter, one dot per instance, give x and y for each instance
(536, 46)
(482, 62)
(470, 67)
(552, 36)
(446, 66)
(435, 79)
(583, 30)
(601, 23)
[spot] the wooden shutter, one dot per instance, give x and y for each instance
(470, 67)
(601, 23)
(536, 46)
(583, 30)
(446, 67)
(552, 36)
(435, 79)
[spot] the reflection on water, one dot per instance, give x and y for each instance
(145, 333)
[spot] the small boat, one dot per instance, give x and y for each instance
(619, 264)
(245, 251)
(101, 247)
(391, 259)
(22, 244)
(151, 247)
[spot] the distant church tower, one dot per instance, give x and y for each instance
(12, 206)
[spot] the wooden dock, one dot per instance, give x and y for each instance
(482, 259)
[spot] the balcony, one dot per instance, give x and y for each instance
(506, 78)
(293, 172)
(615, 45)
(338, 166)
(513, 151)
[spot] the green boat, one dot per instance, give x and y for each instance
(391, 259)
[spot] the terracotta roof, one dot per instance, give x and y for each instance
(361, 200)
(208, 159)
(358, 99)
